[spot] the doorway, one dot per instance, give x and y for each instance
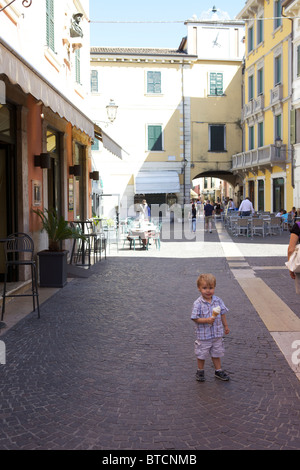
(54, 173)
(278, 194)
(8, 196)
(7, 202)
(78, 182)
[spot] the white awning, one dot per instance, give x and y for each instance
(20, 72)
(109, 143)
(155, 182)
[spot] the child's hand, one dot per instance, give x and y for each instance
(210, 320)
(226, 330)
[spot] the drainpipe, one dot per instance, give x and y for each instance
(292, 69)
(183, 119)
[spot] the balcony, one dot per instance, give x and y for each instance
(276, 95)
(253, 107)
(260, 158)
(259, 104)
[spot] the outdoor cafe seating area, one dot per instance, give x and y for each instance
(260, 223)
(139, 234)
(101, 236)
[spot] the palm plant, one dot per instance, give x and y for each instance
(57, 228)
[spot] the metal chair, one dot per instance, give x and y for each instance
(258, 225)
(242, 227)
(275, 224)
(19, 250)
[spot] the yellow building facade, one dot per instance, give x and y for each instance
(265, 169)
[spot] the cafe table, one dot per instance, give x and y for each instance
(142, 231)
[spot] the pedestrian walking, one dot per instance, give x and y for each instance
(193, 216)
(246, 208)
(294, 240)
(208, 213)
(209, 315)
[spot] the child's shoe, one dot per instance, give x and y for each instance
(220, 374)
(200, 376)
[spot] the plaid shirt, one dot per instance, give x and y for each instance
(203, 309)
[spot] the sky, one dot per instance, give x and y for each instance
(159, 24)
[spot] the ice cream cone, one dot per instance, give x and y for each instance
(216, 311)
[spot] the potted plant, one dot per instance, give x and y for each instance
(53, 262)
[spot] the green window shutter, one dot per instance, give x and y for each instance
(154, 138)
(216, 84)
(277, 70)
(250, 88)
(298, 61)
(50, 24)
(94, 81)
(293, 127)
(95, 145)
(153, 82)
(260, 134)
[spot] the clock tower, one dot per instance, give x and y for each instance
(215, 36)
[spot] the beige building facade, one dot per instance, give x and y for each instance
(178, 112)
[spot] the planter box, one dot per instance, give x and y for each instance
(53, 268)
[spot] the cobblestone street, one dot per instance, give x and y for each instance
(110, 364)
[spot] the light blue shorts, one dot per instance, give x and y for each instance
(209, 348)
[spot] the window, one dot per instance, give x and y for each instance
(250, 38)
(260, 134)
(94, 81)
(251, 137)
(217, 138)
(278, 194)
(260, 31)
(250, 88)
(261, 195)
(277, 14)
(50, 24)
(155, 138)
(216, 84)
(153, 82)
(260, 81)
(277, 70)
(77, 65)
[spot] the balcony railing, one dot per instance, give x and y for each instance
(276, 94)
(268, 155)
(253, 107)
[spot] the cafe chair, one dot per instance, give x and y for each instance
(258, 225)
(18, 251)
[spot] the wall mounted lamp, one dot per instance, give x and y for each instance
(75, 170)
(43, 160)
(94, 175)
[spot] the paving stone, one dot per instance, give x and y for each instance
(110, 365)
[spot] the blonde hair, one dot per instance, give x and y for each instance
(206, 278)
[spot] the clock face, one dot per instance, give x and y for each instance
(216, 39)
(215, 42)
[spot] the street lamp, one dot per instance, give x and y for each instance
(25, 3)
(278, 142)
(278, 145)
(111, 110)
